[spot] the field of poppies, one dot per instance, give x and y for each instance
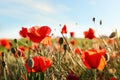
(37, 55)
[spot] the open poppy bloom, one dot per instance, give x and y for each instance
(36, 33)
(94, 59)
(64, 30)
(89, 34)
(39, 33)
(39, 64)
(5, 43)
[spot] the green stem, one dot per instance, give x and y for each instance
(41, 76)
(69, 49)
(63, 56)
(5, 74)
(59, 61)
(95, 77)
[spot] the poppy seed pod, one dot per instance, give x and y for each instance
(19, 53)
(15, 40)
(61, 40)
(100, 22)
(65, 47)
(3, 63)
(30, 63)
(3, 54)
(13, 50)
(112, 35)
(93, 19)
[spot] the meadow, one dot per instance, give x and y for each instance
(39, 56)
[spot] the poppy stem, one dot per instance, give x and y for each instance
(69, 49)
(95, 77)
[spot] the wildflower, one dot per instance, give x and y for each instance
(89, 34)
(72, 34)
(113, 78)
(39, 64)
(44, 31)
(35, 33)
(5, 43)
(77, 51)
(73, 42)
(23, 32)
(39, 34)
(94, 59)
(19, 52)
(64, 30)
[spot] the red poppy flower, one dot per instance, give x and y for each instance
(64, 30)
(89, 34)
(94, 59)
(73, 42)
(35, 38)
(77, 51)
(39, 34)
(40, 64)
(72, 34)
(23, 32)
(5, 43)
(44, 31)
(20, 52)
(113, 78)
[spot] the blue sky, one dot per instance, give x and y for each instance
(76, 14)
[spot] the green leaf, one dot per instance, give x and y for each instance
(41, 76)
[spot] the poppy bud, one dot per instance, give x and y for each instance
(3, 54)
(19, 53)
(61, 40)
(3, 63)
(30, 63)
(13, 50)
(106, 57)
(100, 22)
(93, 19)
(112, 35)
(65, 47)
(15, 40)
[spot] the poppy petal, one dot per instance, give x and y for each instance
(44, 31)
(35, 38)
(101, 64)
